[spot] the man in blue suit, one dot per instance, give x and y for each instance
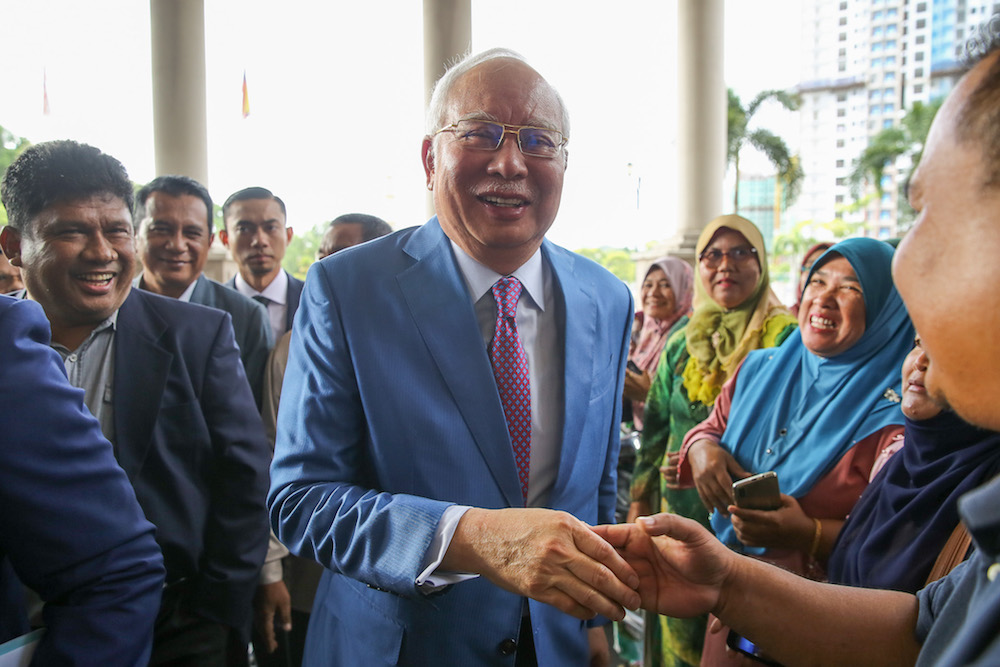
(174, 231)
(70, 523)
(395, 464)
(257, 233)
(164, 380)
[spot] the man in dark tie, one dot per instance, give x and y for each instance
(449, 417)
(257, 234)
(174, 232)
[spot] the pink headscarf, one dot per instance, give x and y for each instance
(653, 336)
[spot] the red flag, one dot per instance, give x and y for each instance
(246, 96)
(45, 93)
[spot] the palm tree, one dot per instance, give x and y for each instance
(771, 145)
(883, 149)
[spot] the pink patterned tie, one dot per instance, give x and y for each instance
(510, 367)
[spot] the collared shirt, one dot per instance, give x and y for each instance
(537, 328)
(91, 367)
(277, 295)
(185, 295)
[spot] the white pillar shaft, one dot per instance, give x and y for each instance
(180, 133)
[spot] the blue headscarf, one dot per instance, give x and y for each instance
(796, 413)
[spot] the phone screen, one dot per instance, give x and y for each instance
(743, 645)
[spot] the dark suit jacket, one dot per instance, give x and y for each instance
(250, 324)
(292, 297)
(191, 441)
(69, 522)
(390, 414)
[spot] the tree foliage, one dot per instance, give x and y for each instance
(301, 251)
(773, 147)
(11, 146)
(616, 260)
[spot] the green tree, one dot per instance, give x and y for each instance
(883, 149)
(769, 144)
(11, 146)
(616, 260)
(301, 251)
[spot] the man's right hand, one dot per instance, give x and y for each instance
(545, 555)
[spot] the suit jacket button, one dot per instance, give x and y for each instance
(507, 647)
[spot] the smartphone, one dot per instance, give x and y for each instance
(758, 492)
(632, 367)
(743, 645)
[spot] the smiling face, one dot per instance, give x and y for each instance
(658, 299)
(732, 282)
(496, 205)
(832, 313)
(173, 242)
(943, 268)
(77, 260)
(917, 403)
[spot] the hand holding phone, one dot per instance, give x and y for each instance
(758, 492)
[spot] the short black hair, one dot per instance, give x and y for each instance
(60, 171)
(979, 118)
(175, 186)
(252, 193)
(372, 226)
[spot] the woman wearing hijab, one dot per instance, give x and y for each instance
(817, 411)
(808, 260)
(666, 297)
(735, 311)
(905, 517)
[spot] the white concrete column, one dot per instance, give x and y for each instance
(701, 103)
(180, 128)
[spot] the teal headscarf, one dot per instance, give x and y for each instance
(796, 413)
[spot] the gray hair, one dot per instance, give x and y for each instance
(435, 119)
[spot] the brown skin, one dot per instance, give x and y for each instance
(77, 261)
(257, 236)
(940, 266)
(832, 312)
(10, 276)
(731, 283)
(339, 237)
(173, 242)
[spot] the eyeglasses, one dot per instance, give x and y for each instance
(713, 258)
(484, 135)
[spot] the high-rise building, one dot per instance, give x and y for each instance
(864, 64)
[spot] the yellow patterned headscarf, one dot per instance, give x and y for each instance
(719, 339)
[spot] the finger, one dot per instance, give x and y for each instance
(673, 526)
(268, 631)
(285, 614)
(605, 569)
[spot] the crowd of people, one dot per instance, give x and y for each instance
(443, 464)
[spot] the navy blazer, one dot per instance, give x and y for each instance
(390, 414)
(192, 443)
(292, 297)
(69, 520)
(250, 325)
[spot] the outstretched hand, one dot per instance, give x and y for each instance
(545, 555)
(681, 566)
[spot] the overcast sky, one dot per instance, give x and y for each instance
(336, 103)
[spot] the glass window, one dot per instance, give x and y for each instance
(890, 60)
(889, 108)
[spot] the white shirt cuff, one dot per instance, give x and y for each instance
(430, 580)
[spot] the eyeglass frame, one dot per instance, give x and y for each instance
(723, 254)
(508, 129)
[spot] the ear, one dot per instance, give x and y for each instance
(427, 157)
(10, 242)
(211, 239)
(224, 237)
(289, 233)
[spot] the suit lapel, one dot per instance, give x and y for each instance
(442, 310)
(577, 315)
(141, 369)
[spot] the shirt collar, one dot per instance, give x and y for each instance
(276, 292)
(479, 279)
(185, 295)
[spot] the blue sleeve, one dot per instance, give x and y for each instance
(69, 520)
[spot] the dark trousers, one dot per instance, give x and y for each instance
(181, 639)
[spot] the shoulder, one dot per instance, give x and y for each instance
(229, 299)
(595, 280)
(141, 307)
(778, 326)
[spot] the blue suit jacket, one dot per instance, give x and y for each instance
(69, 522)
(293, 295)
(390, 414)
(250, 325)
(192, 443)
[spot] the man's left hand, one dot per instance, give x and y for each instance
(269, 600)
